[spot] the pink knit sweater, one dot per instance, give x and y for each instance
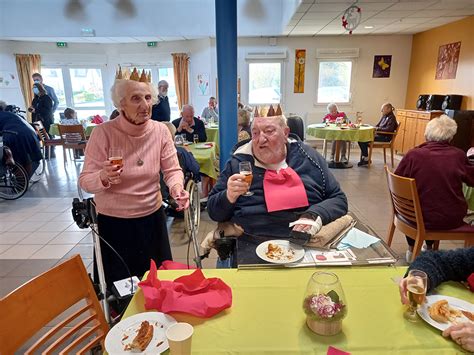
(138, 193)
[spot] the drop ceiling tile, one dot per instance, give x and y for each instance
(463, 12)
(416, 20)
(329, 7)
(451, 5)
(379, 21)
(377, 6)
(321, 15)
(429, 13)
(412, 5)
(393, 14)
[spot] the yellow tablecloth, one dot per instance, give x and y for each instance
(54, 129)
(334, 133)
(267, 317)
(469, 195)
(207, 159)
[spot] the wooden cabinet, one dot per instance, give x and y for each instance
(411, 131)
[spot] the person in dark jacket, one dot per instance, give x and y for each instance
(388, 123)
(291, 183)
(439, 170)
(42, 106)
(22, 140)
(189, 125)
(442, 266)
(161, 111)
(37, 78)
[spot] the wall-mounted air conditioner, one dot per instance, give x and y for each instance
(274, 53)
(337, 53)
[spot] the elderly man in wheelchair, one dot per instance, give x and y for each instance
(293, 193)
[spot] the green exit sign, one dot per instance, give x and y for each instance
(151, 44)
(61, 44)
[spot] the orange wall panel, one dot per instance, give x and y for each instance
(424, 58)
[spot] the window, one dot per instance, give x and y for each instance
(87, 90)
(265, 83)
(78, 88)
(54, 77)
(334, 84)
(168, 75)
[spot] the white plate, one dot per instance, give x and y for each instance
(453, 302)
(285, 245)
(203, 146)
(114, 343)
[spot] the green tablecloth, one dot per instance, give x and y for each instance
(266, 316)
(213, 134)
(334, 133)
(206, 158)
(469, 195)
(54, 129)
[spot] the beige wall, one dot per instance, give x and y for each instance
(424, 58)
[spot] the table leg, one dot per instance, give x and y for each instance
(337, 164)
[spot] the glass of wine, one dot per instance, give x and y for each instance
(178, 140)
(245, 169)
(416, 287)
(195, 138)
(115, 156)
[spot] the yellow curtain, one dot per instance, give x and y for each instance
(181, 78)
(26, 65)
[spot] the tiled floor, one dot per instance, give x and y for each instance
(37, 231)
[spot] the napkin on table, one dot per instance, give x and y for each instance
(193, 294)
(357, 239)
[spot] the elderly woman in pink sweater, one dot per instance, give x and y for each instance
(129, 203)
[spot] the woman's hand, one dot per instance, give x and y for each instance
(181, 197)
(402, 286)
(463, 334)
(110, 174)
(236, 186)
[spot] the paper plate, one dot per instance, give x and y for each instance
(115, 341)
(296, 252)
(453, 302)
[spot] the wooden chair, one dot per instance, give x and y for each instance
(73, 138)
(32, 306)
(407, 216)
(384, 145)
(46, 141)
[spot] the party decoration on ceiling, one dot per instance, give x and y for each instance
(448, 59)
(351, 17)
(300, 61)
(382, 66)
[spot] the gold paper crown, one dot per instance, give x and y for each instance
(144, 77)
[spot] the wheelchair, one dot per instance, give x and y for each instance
(13, 177)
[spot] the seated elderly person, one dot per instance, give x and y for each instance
(442, 266)
(21, 138)
(243, 124)
(291, 183)
(189, 125)
(388, 123)
(334, 116)
(439, 170)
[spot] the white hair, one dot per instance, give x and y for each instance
(163, 83)
(441, 129)
(119, 90)
(187, 107)
(3, 105)
(281, 120)
(332, 105)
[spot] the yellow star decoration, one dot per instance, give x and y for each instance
(382, 64)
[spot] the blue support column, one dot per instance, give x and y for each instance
(226, 45)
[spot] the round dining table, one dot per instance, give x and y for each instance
(340, 135)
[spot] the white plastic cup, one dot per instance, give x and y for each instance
(179, 338)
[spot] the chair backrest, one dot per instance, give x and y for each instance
(405, 200)
(41, 131)
(71, 134)
(296, 125)
(26, 310)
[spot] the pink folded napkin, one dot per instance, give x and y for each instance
(193, 294)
